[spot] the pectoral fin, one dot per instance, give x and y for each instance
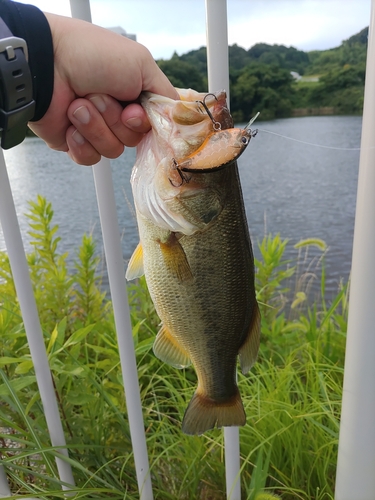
(249, 350)
(175, 258)
(167, 348)
(135, 266)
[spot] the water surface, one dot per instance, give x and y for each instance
(289, 187)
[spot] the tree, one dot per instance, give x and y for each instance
(260, 77)
(238, 57)
(198, 58)
(183, 74)
(264, 88)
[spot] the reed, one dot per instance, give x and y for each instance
(292, 395)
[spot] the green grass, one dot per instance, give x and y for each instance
(292, 395)
(305, 82)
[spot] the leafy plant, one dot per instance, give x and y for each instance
(292, 396)
(260, 77)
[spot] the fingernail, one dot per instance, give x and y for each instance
(99, 103)
(78, 138)
(134, 122)
(82, 115)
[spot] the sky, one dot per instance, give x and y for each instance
(166, 26)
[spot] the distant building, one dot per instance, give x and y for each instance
(295, 75)
(310, 78)
(300, 78)
(122, 32)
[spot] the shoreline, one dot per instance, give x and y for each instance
(320, 111)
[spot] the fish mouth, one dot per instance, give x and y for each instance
(181, 126)
(178, 129)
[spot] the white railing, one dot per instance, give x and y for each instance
(356, 458)
(115, 266)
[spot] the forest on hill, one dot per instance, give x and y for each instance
(261, 78)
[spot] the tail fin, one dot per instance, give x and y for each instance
(203, 414)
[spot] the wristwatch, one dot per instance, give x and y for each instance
(17, 106)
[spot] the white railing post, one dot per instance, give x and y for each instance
(4, 487)
(217, 46)
(116, 275)
(218, 79)
(356, 457)
(22, 281)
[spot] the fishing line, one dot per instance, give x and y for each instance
(311, 143)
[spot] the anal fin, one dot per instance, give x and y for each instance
(135, 266)
(167, 348)
(249, 350)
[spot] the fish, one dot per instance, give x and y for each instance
(195, 250)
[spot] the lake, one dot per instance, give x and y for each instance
(290, 187)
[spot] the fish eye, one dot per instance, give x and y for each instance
(244, 140)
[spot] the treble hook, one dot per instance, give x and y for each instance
(216, 125)
(184, 177)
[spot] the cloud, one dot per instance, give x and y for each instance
(165, 26)
(163, 45)
(305, 24)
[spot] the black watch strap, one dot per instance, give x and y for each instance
(17, 106)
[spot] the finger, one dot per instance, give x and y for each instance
(91, 125)
(130, 130)
(79, 149)
(135, 118)
(154, 80)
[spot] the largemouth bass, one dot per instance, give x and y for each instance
(195, 251)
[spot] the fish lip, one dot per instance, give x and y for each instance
(211, 169)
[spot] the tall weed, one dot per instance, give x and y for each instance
(292, 396)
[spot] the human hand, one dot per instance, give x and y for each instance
(94, 69)
(101, 126)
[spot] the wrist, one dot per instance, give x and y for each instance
(17, 106)
(29, 23)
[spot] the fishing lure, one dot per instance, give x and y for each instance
(219, 149)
